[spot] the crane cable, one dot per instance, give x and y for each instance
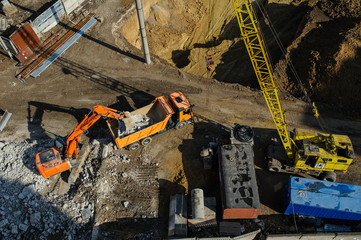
(284, 52)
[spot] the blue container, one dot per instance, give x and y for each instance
(323, 199)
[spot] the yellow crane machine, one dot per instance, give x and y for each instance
(318, 154)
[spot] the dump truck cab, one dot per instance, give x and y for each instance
(182, 108)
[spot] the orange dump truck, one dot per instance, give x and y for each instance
(162, 114)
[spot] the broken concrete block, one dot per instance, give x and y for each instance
(105, 151)
(125, 203)
(35, 218)
(14, 229)
(86, 213)
(3, 223)
(8, 8)
(23, 227)
(177, 223)
(3, 24)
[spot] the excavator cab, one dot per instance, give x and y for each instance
(49, 162)
(50, 158)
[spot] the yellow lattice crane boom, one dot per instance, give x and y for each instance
(308, 152)
(262, 66)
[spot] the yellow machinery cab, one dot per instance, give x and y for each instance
(323, 152)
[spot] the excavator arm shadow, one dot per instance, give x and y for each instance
(36, 111)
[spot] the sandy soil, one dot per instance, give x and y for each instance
(105, 67)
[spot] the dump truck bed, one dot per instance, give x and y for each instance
(141, 123)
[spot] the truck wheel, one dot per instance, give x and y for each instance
(180, 125)
(274, 166)
(146, 141)
(133, 146)
(329, 176)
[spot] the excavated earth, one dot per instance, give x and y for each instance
(125, 195)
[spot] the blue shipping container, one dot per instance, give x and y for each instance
(323, 199)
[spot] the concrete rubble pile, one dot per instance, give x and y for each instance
(31, 207)
(138, 122)
(8, 8)
(26, 209)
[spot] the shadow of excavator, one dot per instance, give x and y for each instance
(40, 108)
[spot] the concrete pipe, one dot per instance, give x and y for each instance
(197, 200)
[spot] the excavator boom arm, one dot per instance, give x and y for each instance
(261, 63)
(75, 136)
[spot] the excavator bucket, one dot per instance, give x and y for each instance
(4, 119)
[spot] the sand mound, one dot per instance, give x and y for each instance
(322, 40)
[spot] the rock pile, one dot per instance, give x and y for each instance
(32, 207)
(26, 209)
(134, 123)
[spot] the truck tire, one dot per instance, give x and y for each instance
(146, 141)
(329, 176)
(274, 166)
(180, 125)
(134, 146)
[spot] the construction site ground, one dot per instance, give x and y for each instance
(128, 192)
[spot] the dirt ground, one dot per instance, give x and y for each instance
(106, 67)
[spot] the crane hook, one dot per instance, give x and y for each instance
(314, 110)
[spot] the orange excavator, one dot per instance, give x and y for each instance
(57, 159)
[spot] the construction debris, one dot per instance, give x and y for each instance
(177, 215)
(134, 123)
(210, 220)
(8, 8)
(63, 44)
(4, 24)
(23, 210)
(230, 228)
(26, 41)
